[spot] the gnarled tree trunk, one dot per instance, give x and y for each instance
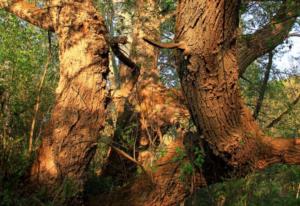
(69, 141)
(208, 69)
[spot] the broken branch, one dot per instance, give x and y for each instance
(114, 45)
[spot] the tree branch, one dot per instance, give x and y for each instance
(114, 45)
(172, 45)
(294, 35)
(278, 119)
(271, 35)
(28, 12)
(279, 150)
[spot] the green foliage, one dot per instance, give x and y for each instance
(23, 52)
(188, 166)
(13, 165)
(199, 157)
(180, 154)
(256, 15)
(168, 5)
(276, 186)
(281, 91)
(186, 170)
(97, 185)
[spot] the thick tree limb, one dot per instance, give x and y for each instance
(250, 47)
(29, 12)
(279, 150)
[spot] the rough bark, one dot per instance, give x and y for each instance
(164, 186)
(208, 69)
(160, 191)
(69, 140)
(29, 12)
(157, 108)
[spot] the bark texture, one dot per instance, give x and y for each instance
(157, 109)
(29, 12)
(159, 191)
(69, 140)
(208, 69)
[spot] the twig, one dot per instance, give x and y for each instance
(290, 107)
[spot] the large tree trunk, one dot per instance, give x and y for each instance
(69, 141)
(208, 70)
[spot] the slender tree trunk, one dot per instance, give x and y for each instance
(263, 88)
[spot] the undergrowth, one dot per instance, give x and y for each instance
(277, 185)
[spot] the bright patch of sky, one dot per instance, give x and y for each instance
(287, 58)
(290, 60)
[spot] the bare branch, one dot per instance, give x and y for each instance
(294, 35)
(114, 45)
(278, 119)
(172, 45)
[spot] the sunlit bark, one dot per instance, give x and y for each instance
(209, 77)
(69, 140)
(37, 16)
(157, 109)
